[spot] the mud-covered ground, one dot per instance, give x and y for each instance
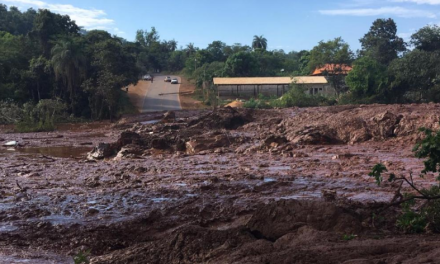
(229, 186)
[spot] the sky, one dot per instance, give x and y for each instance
(286, 24)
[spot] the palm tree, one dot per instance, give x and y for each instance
(259, 42)
(69, 64)
(190, 49)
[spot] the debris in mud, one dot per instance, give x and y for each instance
(10, 143)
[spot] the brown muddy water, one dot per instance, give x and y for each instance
(56, 152)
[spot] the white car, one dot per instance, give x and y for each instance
(174, 81)
(147, 77)
(167, 79)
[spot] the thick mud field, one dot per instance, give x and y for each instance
(224, 186)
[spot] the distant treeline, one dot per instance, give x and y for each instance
(44, 55)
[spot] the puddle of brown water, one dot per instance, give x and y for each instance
(58, 152)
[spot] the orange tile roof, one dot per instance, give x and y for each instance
(332, 68)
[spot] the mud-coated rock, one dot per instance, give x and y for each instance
(168, 116)
(207, 142)
(103, 150)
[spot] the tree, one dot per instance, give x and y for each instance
(48, 25)
(216, 51)
(416, 77)
(259, 43)
(335, 53)
(381, 42)
(427, 38)
(368, 79)
(69, 61)
(241, 64)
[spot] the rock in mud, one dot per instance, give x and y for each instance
(102, 151)
(207, 142)
(169, 116)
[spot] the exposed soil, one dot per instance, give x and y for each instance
(229, 186)
(186, 94)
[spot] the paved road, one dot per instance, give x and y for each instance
(162, 95)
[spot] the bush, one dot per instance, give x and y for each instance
(256, 104)
(41, 117)
(10, 113)
(296, 96)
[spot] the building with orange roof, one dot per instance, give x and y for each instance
(332, 69)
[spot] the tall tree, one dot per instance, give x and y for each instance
(259, 42)
(427, 38)
(381, 42)
(69, 63)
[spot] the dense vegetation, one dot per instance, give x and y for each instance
(47, 56)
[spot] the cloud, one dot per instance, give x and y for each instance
(87, 18)
(419, 2)
(397, 11)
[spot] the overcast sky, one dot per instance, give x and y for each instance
(287, 24)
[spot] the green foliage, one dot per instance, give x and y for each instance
(335, 51)
(297, 96)
(10, 113)
(381, 42)
(427, 38)
(368, 79)
(348, 237)
(429, 148)
(82, 257)
(241, 64)
(257, 104)
(428, 216)
(377, 171)
(415, 77)
(411, 221)
(259, 43)
(41, 117)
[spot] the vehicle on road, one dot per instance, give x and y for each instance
(167, 79)
(147, 77)
(174, 81)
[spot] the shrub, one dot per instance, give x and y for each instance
(256, 104)
(297, 96)
(42, 116)
(415, 220)
(10, 113)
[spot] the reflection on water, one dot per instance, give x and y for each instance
(59, 152)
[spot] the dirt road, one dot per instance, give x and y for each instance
(272, 186)
(155, 96)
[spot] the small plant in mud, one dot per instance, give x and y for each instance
(82, 257)
(427, 216)
(348, 237)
